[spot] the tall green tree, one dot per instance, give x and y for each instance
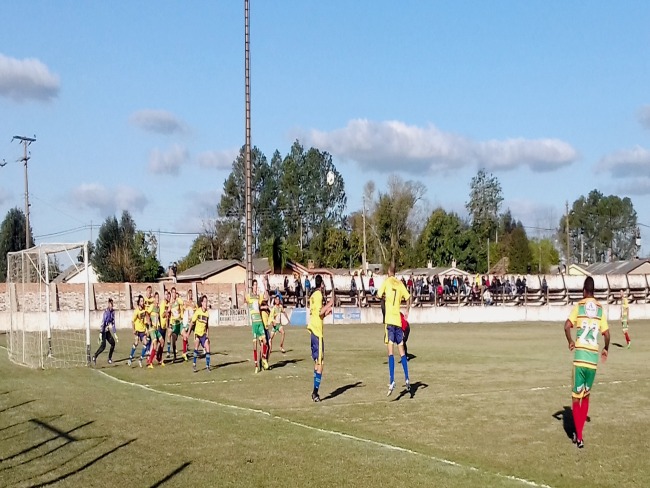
(485, 200)
(12, 237)
(604, 226)
(445, 238)
(544, 255)
(519, 254)
(122, 253)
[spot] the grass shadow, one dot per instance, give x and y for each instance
(58, 434)
(568, 424)
(342, 389)
(617, 344)
(229, 363)
(171, 475)
(418, 385)
(17, 405)
(284, 362)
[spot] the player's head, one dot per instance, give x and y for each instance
(391, 269)
(140, 301)
(149, 289)
(156, 298)
(204, 302)
(588, 287)
(254, 286)
(318, 281)
(173, 292)
(110, 304)
(189, 294)
(167, 295)
(276, 300)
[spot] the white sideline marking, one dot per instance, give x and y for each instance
(209, 382)
(326, 431)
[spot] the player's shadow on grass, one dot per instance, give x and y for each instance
(17, 405)
(284, 362)
(171, 475)
(230, 363)
(342, 389)
(410, 356)
(418, 385)
(566, 416)
(617, 344)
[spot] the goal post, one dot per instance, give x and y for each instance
(49, 302)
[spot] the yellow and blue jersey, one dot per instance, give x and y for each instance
(315, 321)
(394, 291)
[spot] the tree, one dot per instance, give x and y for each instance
(519, 254)
(12, 237)
(445, 238)
(485, 199)
(605, 226)
(390, 217)
(545, 250)
(122, 253)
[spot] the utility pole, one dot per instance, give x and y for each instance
(26, 141)
(247, 160)
(365, 263)
(568, 238)
(488, 270)
(582, 247)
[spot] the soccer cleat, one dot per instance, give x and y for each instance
(94, 360)
(580, 443)
(391, 387)
(169, 356)
(408, 386)
(282, 350)
(130, 361)
(110, 361)
(629, 344)
(162, 363)
(265, 364)
(150, 366)
(208, 369)
(575, 438)
(194, 368)
(315, 397)
(257, 369)
(140, 362)
(185, 357)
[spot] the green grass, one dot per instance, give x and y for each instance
(485, 399)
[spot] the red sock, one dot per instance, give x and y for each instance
(184, 346)
(152, 355)
(585, 409)
(577, 416)
(255, 356)
(627, 337)
(265, 350)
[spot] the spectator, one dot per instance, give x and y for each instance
(371, 286)
(298, 287)
(487, 297)
(286, 285)
(544, 286)
(307, 286)
(354, 292)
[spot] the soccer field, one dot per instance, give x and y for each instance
(488, 409)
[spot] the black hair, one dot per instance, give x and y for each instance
(589, 286)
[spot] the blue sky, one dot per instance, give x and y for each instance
(140, 105)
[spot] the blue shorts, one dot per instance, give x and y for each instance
(394, 334)
(141, 336)
(202, 340)
(317, 349)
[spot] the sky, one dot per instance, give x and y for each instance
(139, 105)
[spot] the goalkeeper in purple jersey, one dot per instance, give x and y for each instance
(108, 320)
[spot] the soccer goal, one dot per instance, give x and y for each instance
(49, 299)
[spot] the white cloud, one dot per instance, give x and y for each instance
(633, 162)
(636, 186)
(644, 116)
(109, 201)
(220, 160)
(158, 121)
(27, 79)
(388, 145)
(168, 162)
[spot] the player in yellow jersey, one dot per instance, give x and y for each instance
(625, 316)
(139, 324)
(176, 321)
(317, 312)
(157, 340)
(189, 307)
(259, 336)
(590, 320)
(148, 298)
(164, 321)
(275, 321)
(199, 324)
(393, 291)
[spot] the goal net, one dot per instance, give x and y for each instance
(49, 291)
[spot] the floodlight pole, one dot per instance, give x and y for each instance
(26, 141)
(365, 262)
(247, 150)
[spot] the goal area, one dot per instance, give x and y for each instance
(49, 302)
